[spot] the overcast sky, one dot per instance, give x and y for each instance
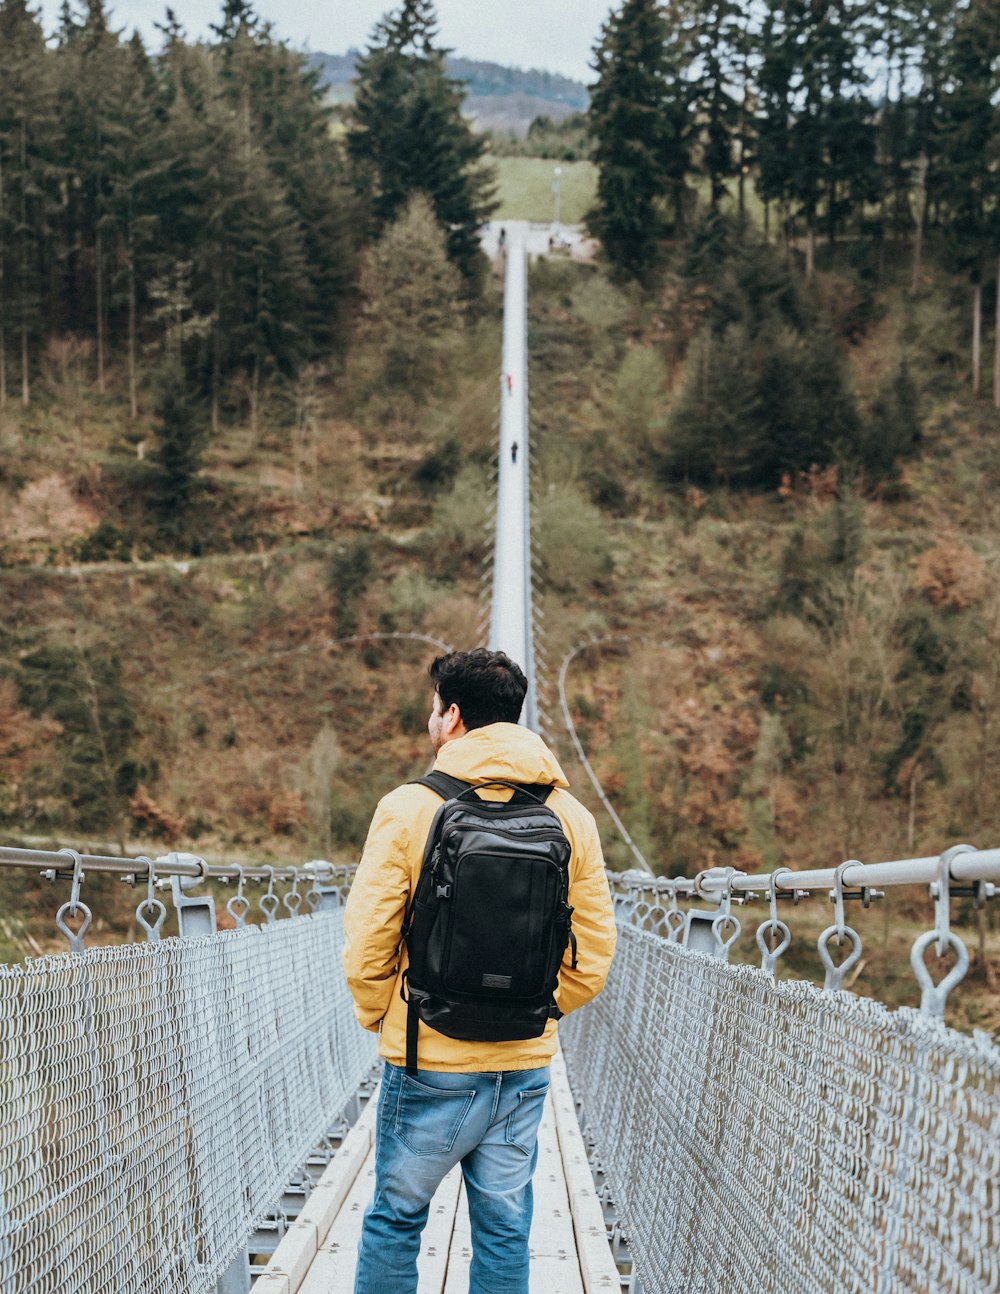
(556, 35)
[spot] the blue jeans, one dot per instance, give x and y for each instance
(426, 1125)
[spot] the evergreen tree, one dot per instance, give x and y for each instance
(765, 389)
(28, 185)
(407, 134)
(411, 293)
(181, 436)
(718, 42)
(967, 135)
(640, 121)
(91, 65)
(135, 167)
(817, 147)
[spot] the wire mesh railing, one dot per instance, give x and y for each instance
(157, 1098)
(778, 1138)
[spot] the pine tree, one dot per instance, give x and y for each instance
(411, 294)
(817, 149)
(91, 65)
(28, 185)
(640, 119)
(181, 436)
(717, 50)
(967, 136)
(407, 134)
(135, 168)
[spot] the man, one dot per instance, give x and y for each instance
(474, 1103)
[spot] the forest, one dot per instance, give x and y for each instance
(249, 352)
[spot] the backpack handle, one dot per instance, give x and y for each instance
(455, 788)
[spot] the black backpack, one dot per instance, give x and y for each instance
(490, 919)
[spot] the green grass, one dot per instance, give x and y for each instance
(525, 189)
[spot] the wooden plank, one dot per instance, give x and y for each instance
(597, 1264)
(290, 1262)
(333, 1267)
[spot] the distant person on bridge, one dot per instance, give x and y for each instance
(474, 1100)
(513, 452)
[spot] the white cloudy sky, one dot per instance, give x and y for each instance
(557, 35)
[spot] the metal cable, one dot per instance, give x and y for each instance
(581, 753)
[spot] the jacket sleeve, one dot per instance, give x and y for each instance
(593, 922)
(373, 917)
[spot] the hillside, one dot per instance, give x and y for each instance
(729, 722)
(499, 98)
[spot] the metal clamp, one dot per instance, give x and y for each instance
(314, 895)
(769, 956)
(269, 901)
(293, 899)
(74, 906)
(725, 919)
(674, 917)
(934, 996)
(150, 904)
(239, 905)
(834, 981)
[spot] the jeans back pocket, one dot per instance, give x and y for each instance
(522, 1125)
(429, 1119)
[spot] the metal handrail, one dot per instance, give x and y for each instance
(173, 864)
(974, 865)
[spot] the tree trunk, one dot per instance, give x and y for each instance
(918, 239)
(99, 252)
(25, 380)
(3, 310)
(810, 251)
(996, 344)
(767, 222)
(977, 335)
(133, 400)
(25, 386)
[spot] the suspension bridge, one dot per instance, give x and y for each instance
(194, 1115)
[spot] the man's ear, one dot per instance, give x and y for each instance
(452, 719)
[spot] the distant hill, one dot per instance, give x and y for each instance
(500, 98)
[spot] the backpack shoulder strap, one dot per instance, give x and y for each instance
(449, 787)
(533, 794)
(442, 784)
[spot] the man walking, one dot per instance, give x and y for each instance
(477, 1103)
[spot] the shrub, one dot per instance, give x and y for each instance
(569, 539)
(893, 429)
(348, 574)
(640, 394)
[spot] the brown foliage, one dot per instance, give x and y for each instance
(286, 812)
(819, 483)
(160, 821)
(950, 576)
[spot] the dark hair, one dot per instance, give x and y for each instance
(486, 686)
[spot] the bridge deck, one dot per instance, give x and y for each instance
(569, 1252)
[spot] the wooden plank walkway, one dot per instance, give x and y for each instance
(569, 1251)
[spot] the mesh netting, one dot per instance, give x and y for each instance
(157, 1098)
(772, 1138)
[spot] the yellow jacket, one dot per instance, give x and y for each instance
(387, 875)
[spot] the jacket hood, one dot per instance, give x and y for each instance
(503, 750)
